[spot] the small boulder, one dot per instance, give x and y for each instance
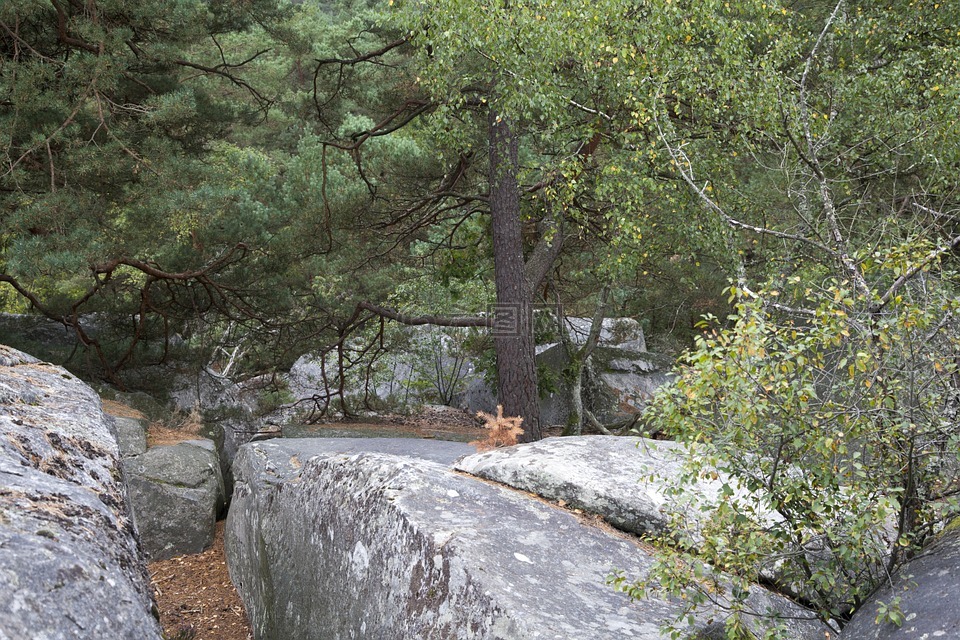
(131, 435)
(176, 492)
(607, 476)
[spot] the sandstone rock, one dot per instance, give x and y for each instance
(619, 384)
(625, 480)
(176, 492)
(131, 434)
(36, 330)
(625, 333)
(433, 365)
(608, 476)
(928, 589)
(627, 380)
(443, 452)
(369, 545)
(69, 563)
(476, 396)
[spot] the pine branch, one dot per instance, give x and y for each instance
(504, 431)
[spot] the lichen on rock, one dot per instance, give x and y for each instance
(69, 561)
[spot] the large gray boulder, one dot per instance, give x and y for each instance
(618, 384)
(628, 480)
(929, 592)
(69, 563)
(624, 333)
(176, 492)
(327, 545)
(626, 381)
(623, 480)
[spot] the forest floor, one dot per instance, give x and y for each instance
(196, 598)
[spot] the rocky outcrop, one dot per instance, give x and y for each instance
(176, 492)
(325, 544)
(623, 480)
(625, 333)
(626, 380)
(69, 563)
(927, 589)
(435, 366)
(627, 481)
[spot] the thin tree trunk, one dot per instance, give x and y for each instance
(574, 425)
(513, 330)
(579, 361)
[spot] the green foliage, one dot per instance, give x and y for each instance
(834, 384)
(852, 406)
(116, 168)
(889, 612)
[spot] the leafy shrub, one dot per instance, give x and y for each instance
(836, 431)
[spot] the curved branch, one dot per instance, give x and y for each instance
(219, 70)
(396, 120)
(68, 40)
(140, 265)
(365, 57)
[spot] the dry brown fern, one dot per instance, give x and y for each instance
(503, 431)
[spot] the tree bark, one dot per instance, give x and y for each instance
(513, 320)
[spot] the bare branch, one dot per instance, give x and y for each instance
(913, 271)
(66, 39)
(220, 70)
(684, 165)
(437, 320)
(110, 266)
(365, 57)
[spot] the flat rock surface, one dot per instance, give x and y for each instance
(336, 545)
(439, 451)
(625, 481)
(69, 564)
(608, 476)
(929, 592)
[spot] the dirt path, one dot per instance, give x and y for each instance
(197, 601)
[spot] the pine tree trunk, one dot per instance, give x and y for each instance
(513, 331)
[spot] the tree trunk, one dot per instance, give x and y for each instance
(574, 426)
(513, 320)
